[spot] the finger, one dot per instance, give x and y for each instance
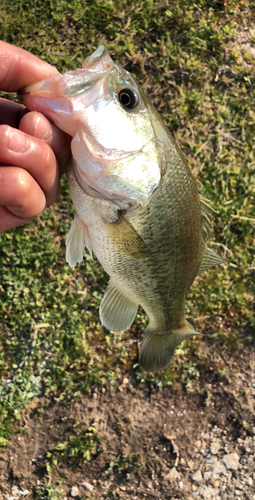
(11, 112)
(19, 68)
(9, 220)
(36, 124)
(33, 155)
(20, 193)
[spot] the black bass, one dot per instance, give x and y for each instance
(136, 201)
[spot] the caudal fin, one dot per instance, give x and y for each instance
(157, 350)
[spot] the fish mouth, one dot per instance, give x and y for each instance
(59, 96)
(85, 184)
(100, 60)
(45, 88)
(72, 83)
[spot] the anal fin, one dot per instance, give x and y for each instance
(117, 311)
(157, 349)
(77, 240)
(210, 259)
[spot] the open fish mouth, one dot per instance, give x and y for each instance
(70, 87)
(75, 82)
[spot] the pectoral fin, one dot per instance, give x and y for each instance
(157, 350)
(77, 240)
(117, 311)
(126, 239)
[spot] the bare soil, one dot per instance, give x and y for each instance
(144, 433)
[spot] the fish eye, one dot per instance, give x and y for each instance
(128, 98)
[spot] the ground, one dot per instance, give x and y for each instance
(145, 436)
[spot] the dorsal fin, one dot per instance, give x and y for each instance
(210, 259)
(207, 215)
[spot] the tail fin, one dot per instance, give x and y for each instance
(157, 350)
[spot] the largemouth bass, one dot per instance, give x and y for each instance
(137, 205)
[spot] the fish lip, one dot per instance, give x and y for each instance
(95, 66)
(83, 82)
(100, 58)
(29, 89)
(71, 84)
(85, 186)
(39, 89)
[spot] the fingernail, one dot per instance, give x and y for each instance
(17, 141)
(42, 128)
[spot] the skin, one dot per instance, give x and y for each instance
(34, 153)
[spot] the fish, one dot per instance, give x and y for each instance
(137, 206)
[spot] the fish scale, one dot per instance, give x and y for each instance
(137, 205)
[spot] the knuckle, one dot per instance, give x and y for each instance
(31, 197)
(48, 158)
(23, 180)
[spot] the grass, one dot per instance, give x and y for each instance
(79, 447)
(127, 465)
(49, 491)
(196, 63)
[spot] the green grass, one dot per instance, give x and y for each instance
(79, 447)
(127, 466)
(49, 491)
(195, 63)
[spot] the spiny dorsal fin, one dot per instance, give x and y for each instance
(210, 259)
(207, 215)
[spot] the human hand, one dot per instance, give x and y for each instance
(33, 152)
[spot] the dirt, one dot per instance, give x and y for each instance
(152, 443)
